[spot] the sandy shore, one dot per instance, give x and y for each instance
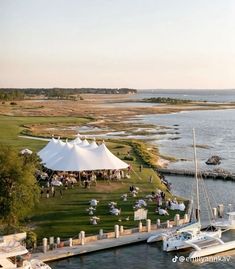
(99, 106)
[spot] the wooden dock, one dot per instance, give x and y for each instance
(205, 174)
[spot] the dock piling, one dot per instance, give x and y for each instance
(58, 241)
(177, 219)
(215, 213)
(116, 231)
(148, 224)
(186, 218)
(167, 224)
(44, 245)
(140, 227)
(220, 210)
(101, 233)
(158, 223)
(82, 237)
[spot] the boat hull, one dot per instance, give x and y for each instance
(155, 238)
(212, 250)
(174, 245)
(224, 225)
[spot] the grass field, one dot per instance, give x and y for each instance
(11, 127)
(67, 216)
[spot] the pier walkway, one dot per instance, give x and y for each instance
(65, 252)
(205, 174)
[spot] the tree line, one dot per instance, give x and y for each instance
(9, 94)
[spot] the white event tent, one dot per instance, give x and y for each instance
(61, 151)
(70, 156)
(51, 147)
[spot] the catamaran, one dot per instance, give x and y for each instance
(191, 236)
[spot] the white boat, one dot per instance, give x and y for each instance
(193, 227)
(226, 224)
(204, 242)
(215, 246)
(186, 239)
(191, 237)
(11, 251)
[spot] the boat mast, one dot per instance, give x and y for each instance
(196, 176)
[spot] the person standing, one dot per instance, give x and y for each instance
(61, 192)
(42, 191)
(48, 193)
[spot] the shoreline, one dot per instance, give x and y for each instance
(110, 118)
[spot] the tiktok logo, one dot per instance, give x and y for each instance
(175, 259)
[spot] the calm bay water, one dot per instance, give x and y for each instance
(140, 256)
(216, 131)
(196, 95)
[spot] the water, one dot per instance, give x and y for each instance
(133, 104)
(215, 130)
(141, 256)
(219, 192)
(217, 96)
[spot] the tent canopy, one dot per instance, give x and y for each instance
(60, 156)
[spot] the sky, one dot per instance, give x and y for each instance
(142, 44)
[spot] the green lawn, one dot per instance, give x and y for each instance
(12, 126)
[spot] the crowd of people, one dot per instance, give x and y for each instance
(57, 182)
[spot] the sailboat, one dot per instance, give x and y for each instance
(204, 243)
(191, 234)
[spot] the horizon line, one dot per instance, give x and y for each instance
(141, 89)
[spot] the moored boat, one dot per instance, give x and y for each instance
(14, 255)
(204, 242)
(226, 224)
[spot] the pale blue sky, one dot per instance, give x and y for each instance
(117, 43)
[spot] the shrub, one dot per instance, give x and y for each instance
(129, 158)
(31, 239)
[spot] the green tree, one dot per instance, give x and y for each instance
(19, 191)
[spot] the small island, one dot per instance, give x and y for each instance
(166, 100)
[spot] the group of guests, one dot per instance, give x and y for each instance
(164, 181)
(51, 191)
(163, 204)
(134, 190)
